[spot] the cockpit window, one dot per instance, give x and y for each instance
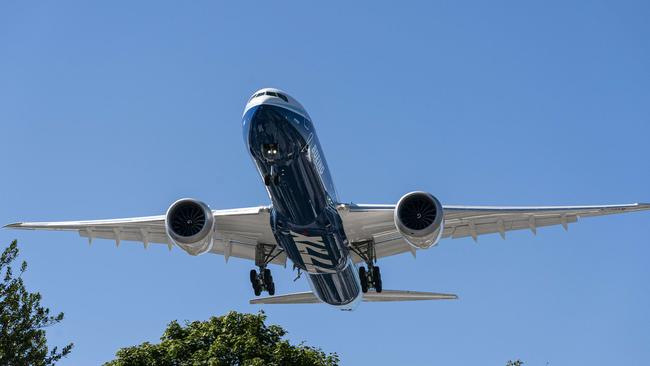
(283, 97)
(272, 94)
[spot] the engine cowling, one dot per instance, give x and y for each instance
(419, 219)
(189, 225)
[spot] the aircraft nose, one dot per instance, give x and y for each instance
(276, 97)
(267, 96)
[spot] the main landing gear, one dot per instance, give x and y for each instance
(263, 280)
(370, 277)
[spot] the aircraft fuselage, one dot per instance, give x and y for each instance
(282, 141)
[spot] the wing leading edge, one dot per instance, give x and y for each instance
(375, 222)
(237, 231)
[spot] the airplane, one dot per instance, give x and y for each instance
(336, 244)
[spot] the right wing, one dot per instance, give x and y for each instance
(365, 222)
(237, 233)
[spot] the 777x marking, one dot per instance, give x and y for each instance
(314, 253)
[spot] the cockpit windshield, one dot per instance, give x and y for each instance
(271, 94)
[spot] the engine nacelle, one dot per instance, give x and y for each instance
(419, 219)
(189, 225)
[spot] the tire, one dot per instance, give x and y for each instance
(364, 279)
(257, 290)
(376, 278)
(253, 276)
(271, 289)
(268, 279)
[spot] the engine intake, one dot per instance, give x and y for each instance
(419, 219)
(189, 225)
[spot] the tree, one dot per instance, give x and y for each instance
(23, 320)
(515, 363)
(233, 339)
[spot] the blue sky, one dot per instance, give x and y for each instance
(116, 109)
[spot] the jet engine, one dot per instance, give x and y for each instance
(189, 225)
(419, 219)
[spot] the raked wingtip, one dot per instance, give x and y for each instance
(13, 225)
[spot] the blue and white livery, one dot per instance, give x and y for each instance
(335, 244)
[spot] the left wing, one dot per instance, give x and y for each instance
(375, 222)
(237, 233)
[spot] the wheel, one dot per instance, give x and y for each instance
(271, 289)
(257, 290)
(267, 179)
(268, 279)
(364, 279)
(376, 279)
(253, 276)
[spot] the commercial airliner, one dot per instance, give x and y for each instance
(336, 244)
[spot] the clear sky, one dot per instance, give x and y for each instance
(118, 108)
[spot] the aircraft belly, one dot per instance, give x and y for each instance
(304, 220)
(339, 288)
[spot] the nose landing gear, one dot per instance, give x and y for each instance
(271, 179)
(271, 152)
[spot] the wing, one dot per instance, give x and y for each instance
(375, 222)
(237, 234)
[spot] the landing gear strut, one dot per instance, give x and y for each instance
(271, 153)
(273, 177)
(263, 280)
(370, 277)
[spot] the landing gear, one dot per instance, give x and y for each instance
(363, 276)
(370, 277)
(263, 280)
(272, 178)
(376, 279)
(255, 282)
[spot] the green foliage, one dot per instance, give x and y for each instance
(233, 339)
(23, 319)
(515, 363)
